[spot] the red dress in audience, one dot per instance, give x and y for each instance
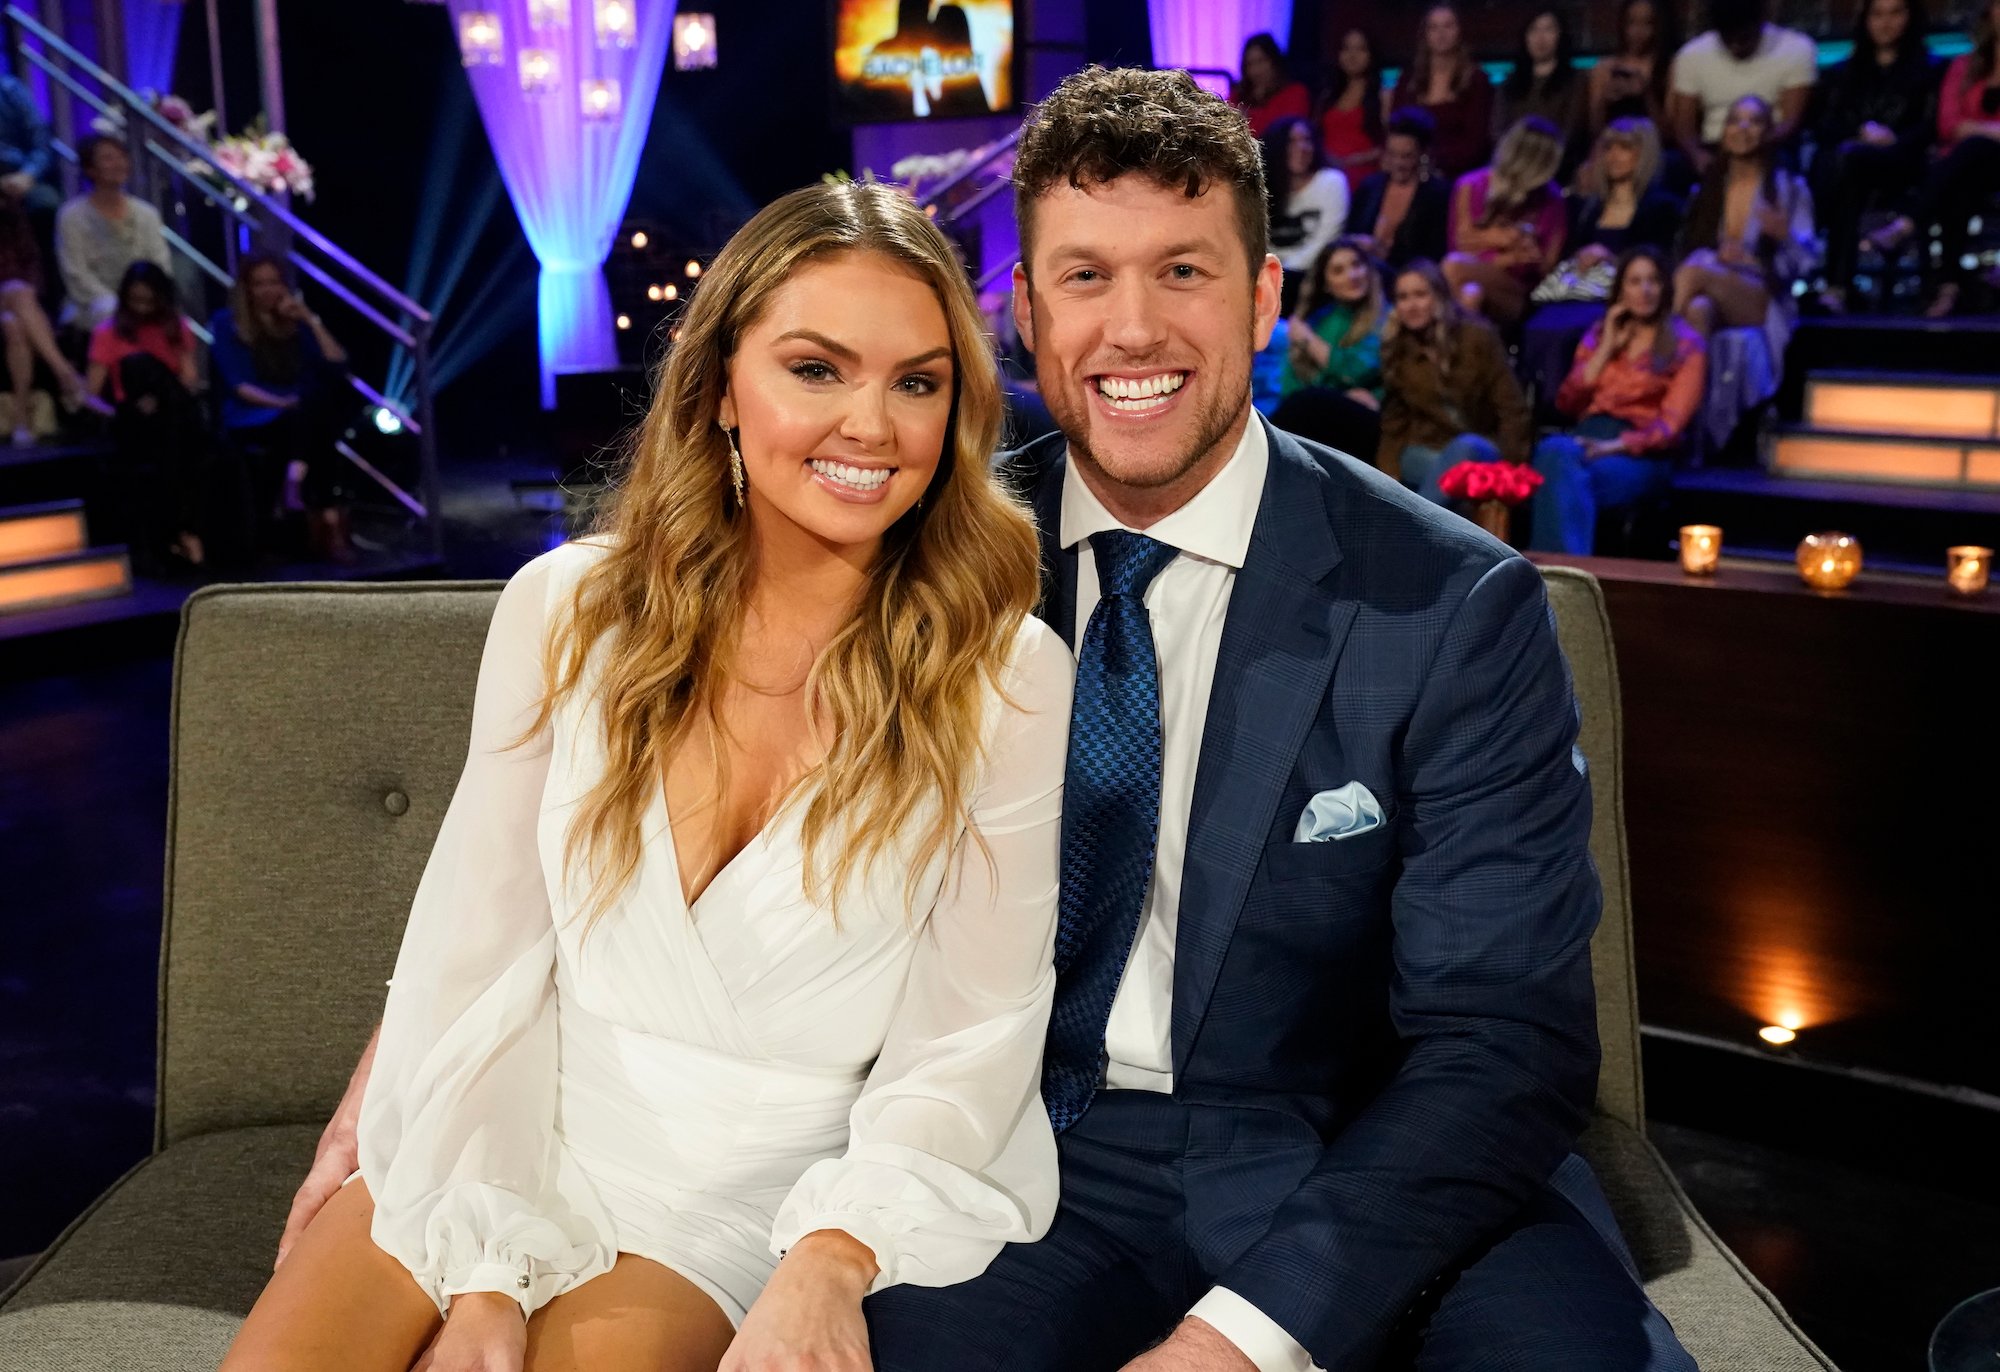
(1344, 134)
(1543, 212)
(110, 347)
(1962, 100)
(1464, 124)
(1289, 100)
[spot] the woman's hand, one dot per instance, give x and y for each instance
(809, 1317)
(1877, 135)
(1595, 448)
(1617, 331)
(1594, 254)
(1736, 255)
(1773, 223)
(483, 1333)
(1364, 397)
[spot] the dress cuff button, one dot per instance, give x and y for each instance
(524, 1283)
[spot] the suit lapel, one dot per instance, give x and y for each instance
(1045, 462)
(1282, 637)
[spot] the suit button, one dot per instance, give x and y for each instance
(396, 803)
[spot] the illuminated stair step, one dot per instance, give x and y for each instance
(1889, 458)
(93, 574)
(1954, 407)
(32, 533)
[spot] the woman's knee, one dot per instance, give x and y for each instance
(1557, 454)
(1469, 448)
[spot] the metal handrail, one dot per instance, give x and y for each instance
(995, 151)
(396, 316)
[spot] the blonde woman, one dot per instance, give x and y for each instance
(1508, 224)
(1620, 203)
(736, 940)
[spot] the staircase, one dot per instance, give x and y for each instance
(1926, 428)
(46, 559)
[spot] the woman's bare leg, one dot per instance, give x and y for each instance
(20, 367)
(18, 299)
(1740, 301)
(338, 1303)
(1486, 287)
(637, 1315)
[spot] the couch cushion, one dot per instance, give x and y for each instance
(1585, 633)
(1724, 1316)
(318, 733)
(191, 1230)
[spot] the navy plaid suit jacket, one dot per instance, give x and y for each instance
(1420, 994)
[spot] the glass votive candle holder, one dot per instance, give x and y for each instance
(1829, 561)
(1968, 569)
(1701, 549)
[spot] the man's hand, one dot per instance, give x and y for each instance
(1193, 1347)
(808, 1318)
(337, 1158)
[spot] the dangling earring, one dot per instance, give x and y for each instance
(735, 463)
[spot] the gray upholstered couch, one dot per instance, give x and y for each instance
(317, 734)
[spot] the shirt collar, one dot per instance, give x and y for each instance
(1215, 525)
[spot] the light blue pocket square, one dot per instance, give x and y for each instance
(1345, 813)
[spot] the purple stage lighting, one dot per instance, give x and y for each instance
(568, 149)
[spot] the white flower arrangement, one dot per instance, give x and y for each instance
(265, 160)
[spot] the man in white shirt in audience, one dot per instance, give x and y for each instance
(1742, 53)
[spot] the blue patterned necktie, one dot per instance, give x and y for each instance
(1111, 816)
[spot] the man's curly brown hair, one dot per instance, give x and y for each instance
(1104, 123)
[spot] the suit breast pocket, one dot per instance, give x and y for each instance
(1331, 859)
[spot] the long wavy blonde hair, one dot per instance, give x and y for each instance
(901, 688)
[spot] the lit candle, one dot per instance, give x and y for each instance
(1968, 569)
(1829, 561)
(1701, 549)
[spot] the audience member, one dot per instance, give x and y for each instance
(1967, 171)
(1749, 236)
(1877, 111)
(1546, 83)
(284, 402)
(1620, 203)
(1336, 331)
(1267, 93)
(1350, 122)
(1508, 223)
(1403, 212)
(102, 232)
(1332, 384)
(1448, 395)
(1740, 54)
(1308, 198)
(1443, 80)
(1631, 83)
(27, 159)
(26, 325)
(145, 352)
(1633, 389)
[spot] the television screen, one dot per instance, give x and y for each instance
(917, 59)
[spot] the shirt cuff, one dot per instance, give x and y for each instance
(1256, 1335)
(513, 1282)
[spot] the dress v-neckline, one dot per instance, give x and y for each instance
(760, 838)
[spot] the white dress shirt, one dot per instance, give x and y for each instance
(1186, 605)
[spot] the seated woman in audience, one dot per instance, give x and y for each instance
(1877, 111)
(1350, 122)
(1631, 83)
(1267, 92)
(145, 353)
(1633, 389)
(1332, 382)
(1308, 199)
(1959, 182)
(1403, 212)
(1448, 395)
(1443, 80)
(1620, 203)
(26, 325)
(1508, 223)
(284, 402)
(1546, 83)
(102, 232)
(1749, 236)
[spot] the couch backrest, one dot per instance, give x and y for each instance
(318, 733)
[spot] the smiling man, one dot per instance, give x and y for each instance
(1324, 1033)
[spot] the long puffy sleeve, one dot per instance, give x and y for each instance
(457, 1137)
(950, 1154)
